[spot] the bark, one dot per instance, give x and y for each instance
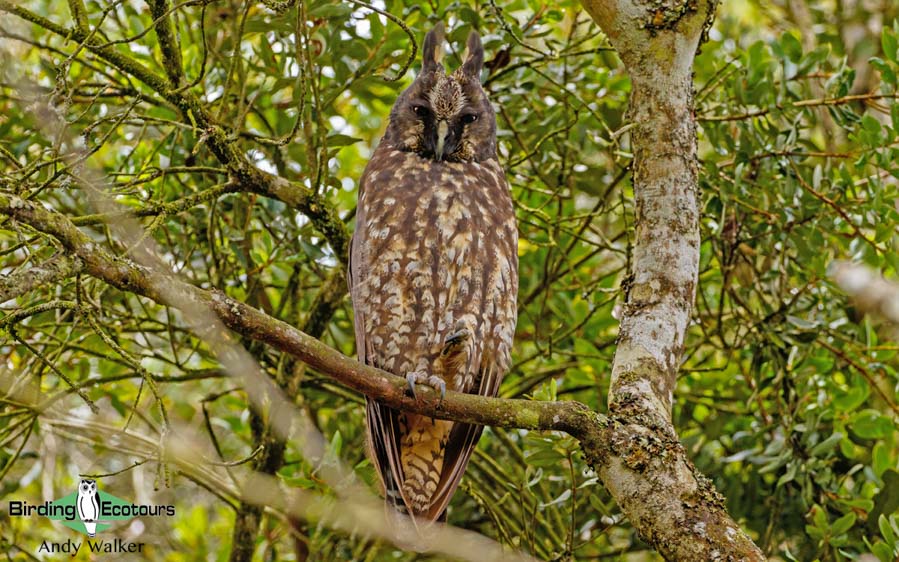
(673, 506)
(25, 280)
(168, 41)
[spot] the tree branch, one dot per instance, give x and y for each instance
(390, 389)
(25, 280)
(79, 14)
(168, 42)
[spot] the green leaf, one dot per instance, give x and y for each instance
(886, 530)
(792, 48)
(843, 524)
(886, 70)
(871, 124)
(336, 10)
(827, 445)
(336, 443)
(545, 458)
(871, 424)
(850, 401)
(337, 139)
(789, 475)
(880, 458)
(801, 323)
(819, 517)
(814, 532)
(882, 552)
(563, 497)
(889, 43)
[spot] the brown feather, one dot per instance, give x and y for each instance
(434, 255)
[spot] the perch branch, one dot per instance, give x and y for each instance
(25, 280)
(128, 276)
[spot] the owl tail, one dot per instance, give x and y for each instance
(91, 528)
(422, 455)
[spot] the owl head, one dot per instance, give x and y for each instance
(445, 117)
(87, 487)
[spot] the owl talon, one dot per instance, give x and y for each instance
(435, 382)
(410, 382)
(441, 386)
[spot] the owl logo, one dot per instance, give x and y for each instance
(88, 507)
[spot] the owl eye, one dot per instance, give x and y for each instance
(420, 110)
(469, 118)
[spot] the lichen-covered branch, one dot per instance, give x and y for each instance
(168, 42)
(126, 275)
(27, 279)
(670, 503)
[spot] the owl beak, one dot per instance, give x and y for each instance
(442, 129)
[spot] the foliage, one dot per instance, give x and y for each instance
(788, 396)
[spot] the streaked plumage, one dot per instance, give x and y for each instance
(434, 272)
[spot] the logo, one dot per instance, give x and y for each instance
(89, 511)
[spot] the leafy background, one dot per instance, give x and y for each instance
(787, 398)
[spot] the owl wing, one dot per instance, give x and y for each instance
(356, 272)
(88, 509)
(383, 422)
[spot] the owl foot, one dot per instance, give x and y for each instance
(433, 381)
(454, 340)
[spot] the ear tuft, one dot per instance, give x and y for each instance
(432, 51)
(474, 57)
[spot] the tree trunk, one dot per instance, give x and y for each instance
(671, 504)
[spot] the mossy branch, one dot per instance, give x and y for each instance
(571, 417)
(168, 42)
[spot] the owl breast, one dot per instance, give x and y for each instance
(439, 257)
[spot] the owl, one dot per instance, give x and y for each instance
(433, 273)
(88, 508)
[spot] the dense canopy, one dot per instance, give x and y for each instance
(223, 141)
